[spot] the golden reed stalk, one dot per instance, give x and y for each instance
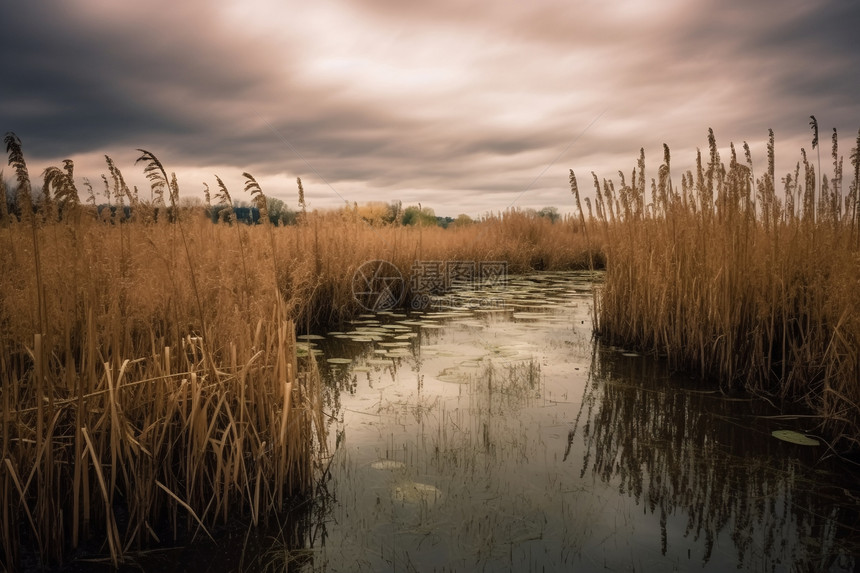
(150, 383)
(731, 281)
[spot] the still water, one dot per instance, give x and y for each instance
(491, 432)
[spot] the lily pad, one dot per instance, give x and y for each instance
(387, 465)
(416, 493)
(794, 437)
(398, 353)
(302, 351)
(378, 362)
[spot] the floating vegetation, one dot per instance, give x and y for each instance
(387, 465)
(455, 375)
(303, 351)
(416, 493)
(378, 362)
(364, 338)
(794, 438)
(518, 439)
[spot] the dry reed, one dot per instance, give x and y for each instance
(726, 278)
(150, 383)
(149, 390)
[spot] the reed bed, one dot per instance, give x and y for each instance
(151, 389)
(749, 286)
(319, 259)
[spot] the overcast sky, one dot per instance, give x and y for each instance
(467, 106)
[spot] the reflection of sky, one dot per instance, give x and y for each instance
(642, 448)
(458, 105)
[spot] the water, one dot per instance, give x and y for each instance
(506, 439)
(492, 433)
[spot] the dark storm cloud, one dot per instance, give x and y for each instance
(464, 103)
(77, 82)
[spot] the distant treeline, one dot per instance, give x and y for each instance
(375, 213)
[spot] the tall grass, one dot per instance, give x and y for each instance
(726, 276)
(149, 391)
(151, 388)
(320, 256)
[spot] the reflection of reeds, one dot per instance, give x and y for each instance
(150, 384)
(730, 280)
(675, 452)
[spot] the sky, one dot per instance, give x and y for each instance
(464, 106)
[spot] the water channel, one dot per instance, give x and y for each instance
(491, 432)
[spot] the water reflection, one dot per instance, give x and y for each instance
(503, 438)
(709, 462)
(510, 440)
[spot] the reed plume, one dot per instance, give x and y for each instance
(141, 401)
(747, 298)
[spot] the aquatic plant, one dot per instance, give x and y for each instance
(142, 400)
(753, 295)
(151, 387)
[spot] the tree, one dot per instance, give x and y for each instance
(376, 213)
(462, 220)
(279, 213)
(444, 221)
(424, 217)
(550, 213)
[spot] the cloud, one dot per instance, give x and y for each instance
(466, 104)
